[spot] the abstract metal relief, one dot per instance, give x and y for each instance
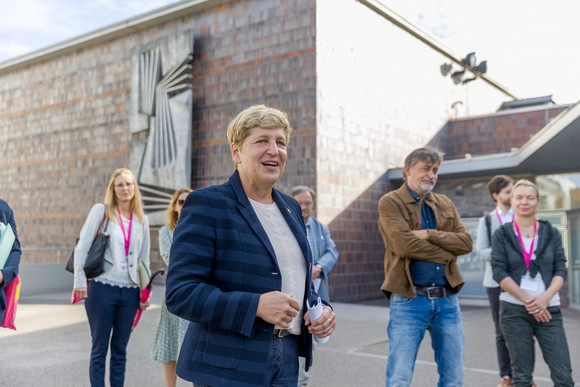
(163, 114)
(155, 93)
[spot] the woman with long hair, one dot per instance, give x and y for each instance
(528, 262)
(112, 298)
(171, 329)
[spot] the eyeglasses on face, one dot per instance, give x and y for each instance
(123, 185)
(180, 202)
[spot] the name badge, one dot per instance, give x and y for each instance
(124, 267)
(530, 284)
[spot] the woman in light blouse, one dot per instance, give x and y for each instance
(528, 262)
(171, 329)
(113, 297)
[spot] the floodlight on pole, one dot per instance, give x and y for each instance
(457, 76)
(445, 69)
(480, 68)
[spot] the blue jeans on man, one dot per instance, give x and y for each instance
(408, 321)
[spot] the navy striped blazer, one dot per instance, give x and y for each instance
(221, 262)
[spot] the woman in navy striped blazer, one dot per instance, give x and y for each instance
(240, 268)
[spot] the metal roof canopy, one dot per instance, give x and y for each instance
(554, 149)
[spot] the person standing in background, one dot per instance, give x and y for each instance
(10, 269)
(423, 235)
(171, 328)
(324, 252)
(500, 188)
(528, 262)
(112, 298)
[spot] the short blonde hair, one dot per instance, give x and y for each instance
(171, 214)
(257, 116)
(111, 198)
(525, 183)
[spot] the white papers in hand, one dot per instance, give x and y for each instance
(314, 313)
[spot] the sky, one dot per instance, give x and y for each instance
(529, 45)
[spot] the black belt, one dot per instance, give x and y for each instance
(433, 292)
(281, 332)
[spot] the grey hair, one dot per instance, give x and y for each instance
(298, 189)
(426, 154)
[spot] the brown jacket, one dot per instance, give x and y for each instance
(398, 215)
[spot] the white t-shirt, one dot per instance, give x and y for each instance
(288, 254)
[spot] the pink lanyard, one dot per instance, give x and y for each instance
(527, 256)
(126, 237)
(499, 217)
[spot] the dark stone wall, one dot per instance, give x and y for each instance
(492, 134)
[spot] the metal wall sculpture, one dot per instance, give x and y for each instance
(162, 112)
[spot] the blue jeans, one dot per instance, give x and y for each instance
(282, 367)
(519, 328)
(283, 362)
(409, 319)
(110, 309)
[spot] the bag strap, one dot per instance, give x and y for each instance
(488, 225)
(101, 225)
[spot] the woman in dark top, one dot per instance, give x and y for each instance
(528, 262)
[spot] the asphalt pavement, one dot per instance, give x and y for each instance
(51, 347)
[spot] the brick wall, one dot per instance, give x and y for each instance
(62, 126)
(64, 121)
(492, 134)
(360, 271)
(245, 53)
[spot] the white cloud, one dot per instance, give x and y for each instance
(28, 25)
(23, 15)
(12, 50)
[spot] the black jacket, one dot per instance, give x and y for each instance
(507, 258)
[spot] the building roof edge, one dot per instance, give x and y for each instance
(510, 161)
(382, 10)
(112, 31)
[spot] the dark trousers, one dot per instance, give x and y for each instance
(503, 356)
(110, 309)
(519, 328)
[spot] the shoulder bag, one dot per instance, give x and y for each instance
(95, 263)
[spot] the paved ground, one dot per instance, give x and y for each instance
(52, 344)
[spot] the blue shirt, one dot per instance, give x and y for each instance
(324, 252)
(425, 273)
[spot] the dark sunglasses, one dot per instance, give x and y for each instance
(180, 202)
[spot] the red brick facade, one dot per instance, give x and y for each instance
(492, 134)
(360, 271)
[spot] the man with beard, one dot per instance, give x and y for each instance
(423, 236)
